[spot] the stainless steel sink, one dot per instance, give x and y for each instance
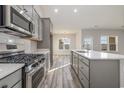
(82, 51)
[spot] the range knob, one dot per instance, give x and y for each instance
(43, 59)
(35, 65)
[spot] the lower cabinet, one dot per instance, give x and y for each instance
(13, 80)
(75, 62)
(18, 85)
(83, 80)
(83, 72)
(96, 73)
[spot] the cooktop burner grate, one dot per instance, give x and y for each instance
(22, 58)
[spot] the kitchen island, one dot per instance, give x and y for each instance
(98, 69)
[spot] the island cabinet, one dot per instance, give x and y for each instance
(84, 71)
(96, 73)
(75, 62)
(14, 80)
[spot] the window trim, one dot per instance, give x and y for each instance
(91, 39)
(108, 44)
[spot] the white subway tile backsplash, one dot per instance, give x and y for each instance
(2, 46)
(23, 44)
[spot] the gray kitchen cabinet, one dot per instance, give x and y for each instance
(75, 62)
(38, 29)
(18, 85)
(47, 42)
(28, 11)
(40, 33)
(84, 71)
(104, 74)
(83, 79)
(35, 25)
(97, 73)
(13, 80)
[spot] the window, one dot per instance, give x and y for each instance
(109, 43)
(64, 44)
(88, 43)
(104, 39)
(104, 43)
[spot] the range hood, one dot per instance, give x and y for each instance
(13, 31)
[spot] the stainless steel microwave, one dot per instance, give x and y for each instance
(12, 21)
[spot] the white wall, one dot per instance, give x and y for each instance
(5, 38)
(78, 39)
(56, 38)
(96, 34)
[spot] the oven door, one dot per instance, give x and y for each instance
(36, 77)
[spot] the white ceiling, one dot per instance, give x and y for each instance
(86, 17)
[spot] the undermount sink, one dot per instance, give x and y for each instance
(82, 51)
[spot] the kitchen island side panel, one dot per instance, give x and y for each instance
(105, 74)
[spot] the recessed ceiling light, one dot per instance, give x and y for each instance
(75, 10)
(56, 10)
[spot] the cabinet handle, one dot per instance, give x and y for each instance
(82, 67)
(82, 79)
(5, 86)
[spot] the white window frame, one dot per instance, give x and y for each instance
(91, 43)
(108, 44)
(65, 44)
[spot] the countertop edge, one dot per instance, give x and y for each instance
(7, 74)
(97, 58)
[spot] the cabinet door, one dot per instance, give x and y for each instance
(40, 37)
(11, 80)
(28, 10)
(75, 62)
(104, 74)
(36, 23)
(84, 69)
(83, 80)
(18, 85)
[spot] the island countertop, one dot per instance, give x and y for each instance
(6, 69)
(95, 55)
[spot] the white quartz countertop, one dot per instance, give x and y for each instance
(40, 51)
(95, 55)
(6, 69)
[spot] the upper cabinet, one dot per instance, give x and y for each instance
(37, 32)
(40, 34)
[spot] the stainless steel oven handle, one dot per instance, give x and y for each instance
(31, 73)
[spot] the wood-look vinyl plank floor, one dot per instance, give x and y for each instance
(61, 75)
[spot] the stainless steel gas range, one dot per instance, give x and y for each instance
(34, 71)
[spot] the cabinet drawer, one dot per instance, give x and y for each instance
(83, 80)
(12, 79)
(84, 69)
(74, 54)
(86, 61)
(18, 85)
